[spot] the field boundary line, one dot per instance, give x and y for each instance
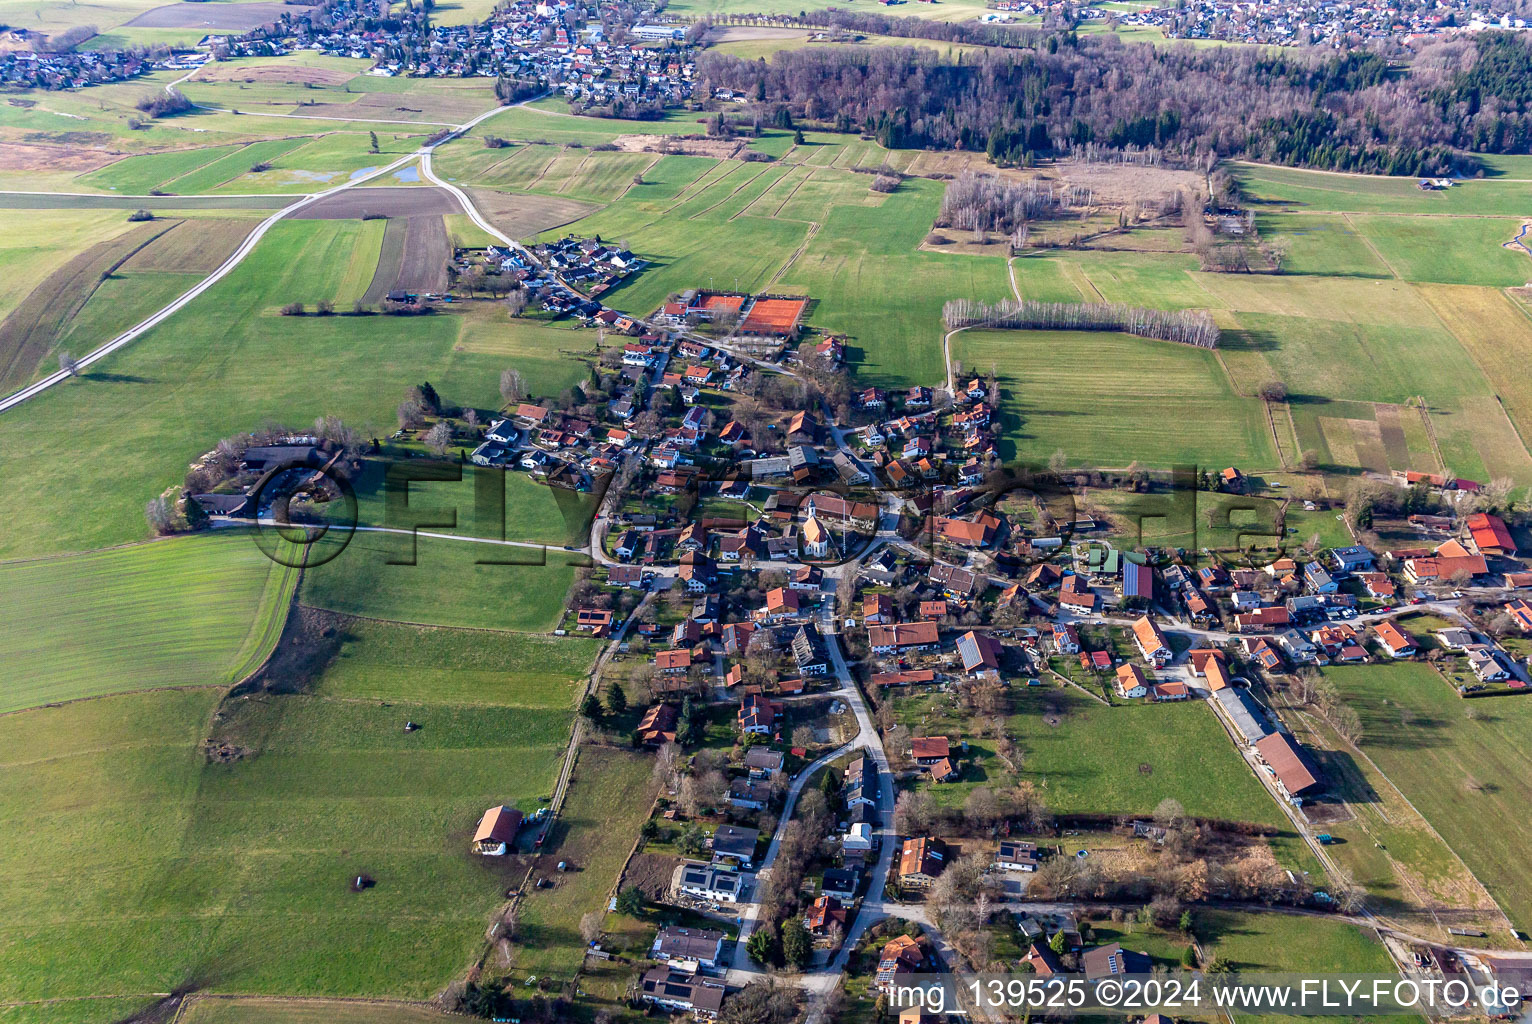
(762, 198)
(576, 174)
(1369, 243)
(72, 309)
(783, 269)
(529, 186)
(206, 163)
(695, 187)
(484, 175)
(737, 190)
(176, 687)
(267, 630)
(244, 148)
(631, 183)
(1425, 418)
(789, 198)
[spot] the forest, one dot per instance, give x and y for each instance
(1308, 108)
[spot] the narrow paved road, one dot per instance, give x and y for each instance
(248, 246)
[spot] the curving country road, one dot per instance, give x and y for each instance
(248, 245)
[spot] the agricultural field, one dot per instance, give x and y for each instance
(195, 611)
(308, 1011)
(610, 795)
(1280, 942)
(316, 792)
(234, 363)
(1093, 397)
(1377, 327)
(41, 313)
(1460, 762)
(108, 288)
(941, 10)
(799, 229)
(1302, 191)
(446, 585)
(1086, 757)
(1411, 875)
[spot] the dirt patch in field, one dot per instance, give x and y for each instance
(193, 246)
(230, 17)
(522, 216)
(426, 251)
(425, 201)
(1111, 185)
(717, 149)
(651, 872)
(31, 329)
(21, 156)
(291, 74)
(1122, 184)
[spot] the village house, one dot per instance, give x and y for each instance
(902, 637)
(903, 954)
(928, 750)
(758, 715)
(686, 993)
(658, 726)
(735, 845)
(702, 947)
(708, 882)
(1395, 641)
(1151, 642)
(1131, 683)
(920, 860)
(980, 652)
(1490, 535)
(763, 762)
(1014, 855)
(1288, 766)
(825, 915)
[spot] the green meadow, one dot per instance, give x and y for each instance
(229, 363)
(1110, 399)
(193, 611)
(236, 876)
(1086, 757)
(1461, 763)
(448, 584)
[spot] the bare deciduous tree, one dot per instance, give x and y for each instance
(439, 437)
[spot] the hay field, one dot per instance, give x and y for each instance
(29, 331)
(137, 418)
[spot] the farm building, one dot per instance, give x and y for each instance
(1289, 768)
(496, 831)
